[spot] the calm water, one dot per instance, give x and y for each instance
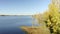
(12, 24)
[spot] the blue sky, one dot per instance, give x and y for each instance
(23, 7)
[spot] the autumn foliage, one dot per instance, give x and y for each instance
(51, 18)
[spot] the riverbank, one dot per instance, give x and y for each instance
(35, 30)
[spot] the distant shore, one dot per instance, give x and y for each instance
(15, 15)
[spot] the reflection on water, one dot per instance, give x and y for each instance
(11, 24)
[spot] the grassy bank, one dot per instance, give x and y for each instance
(35, 30)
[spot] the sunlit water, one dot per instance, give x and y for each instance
(12, 24)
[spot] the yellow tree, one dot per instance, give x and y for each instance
(53, 19)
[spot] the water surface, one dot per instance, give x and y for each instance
(12, 24)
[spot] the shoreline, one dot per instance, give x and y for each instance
(35, 30)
